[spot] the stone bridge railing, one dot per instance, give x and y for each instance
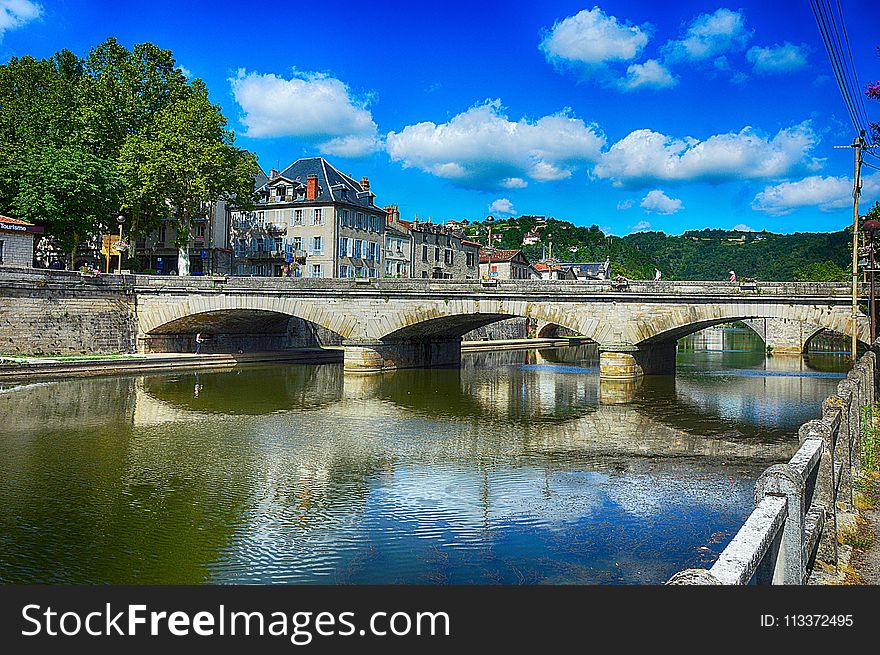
(794, 522)
(154, 284)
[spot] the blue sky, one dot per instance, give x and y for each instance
(628, 115)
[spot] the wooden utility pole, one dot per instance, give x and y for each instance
(857, 188)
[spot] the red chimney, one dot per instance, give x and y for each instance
(392, 214)
(312, 187)
(365, 184)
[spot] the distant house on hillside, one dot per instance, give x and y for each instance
(530, 238)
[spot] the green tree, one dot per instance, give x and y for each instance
(69, 191)
(826, 271)
(185, 159)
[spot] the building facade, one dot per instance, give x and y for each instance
(311, 220)
(17, 241)
(442, 252)
(505, 265)
(208, 244)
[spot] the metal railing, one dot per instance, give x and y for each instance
(794, 522)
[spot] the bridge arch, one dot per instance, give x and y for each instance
(457, 317)
(234, 322)
(675, 323)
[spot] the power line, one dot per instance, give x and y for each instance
(852, 67)
(844, 74)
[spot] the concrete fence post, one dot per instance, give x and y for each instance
(823, 493)
(855, 429)
(790, 566)
(839, 404)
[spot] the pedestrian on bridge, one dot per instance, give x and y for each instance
(732, 276)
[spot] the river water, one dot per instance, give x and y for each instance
(516, 469)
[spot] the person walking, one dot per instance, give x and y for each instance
(199, 341)
(657, 274)
(732, 276)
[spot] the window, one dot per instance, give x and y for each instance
(361, 271)
(343, 247)
(319, 216)
(279, 244)
(200, 230)
(317, 246)
(470, 259)
(343, 271)
(261, 218)
(447, 256)
(162, 234)
(297, 216)
(297, 243)
(1, 251)
(425, 253)
(358, 249)
(371, 254)
(360, 221)
(345, 217)
(436, 254)
(317, 270)
(371, 272)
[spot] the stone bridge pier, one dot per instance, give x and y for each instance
(375, 355)
(629, 362)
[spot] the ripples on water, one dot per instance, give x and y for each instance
(508, 471)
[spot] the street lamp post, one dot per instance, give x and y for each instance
(870, 227)
(490, 220)
(119, 219)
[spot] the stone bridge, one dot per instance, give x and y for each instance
(386, 324)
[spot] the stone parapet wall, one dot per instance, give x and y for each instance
(64, 314)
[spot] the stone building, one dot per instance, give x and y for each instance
(505, 265)
(208, 246)
(442, 252)
(398, 244)
(17, 241)
(311, 220)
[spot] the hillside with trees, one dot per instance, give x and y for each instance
(695, 255)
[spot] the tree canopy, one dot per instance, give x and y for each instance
(82, 139)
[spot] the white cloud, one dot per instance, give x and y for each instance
(650, 74)
(710, 35)
(482, 148)
(514, 183)
(641, 226)
(15, 13)
(826, 193)
(777, 58)
(623, 205)
(592, 38)
(312, 107)
(742, 227)
(657, 202)
(187, 73)
(502, 206)
(645, 157)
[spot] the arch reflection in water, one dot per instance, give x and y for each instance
(508, 470)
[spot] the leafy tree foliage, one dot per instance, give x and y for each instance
(82, 139)
(186, 157)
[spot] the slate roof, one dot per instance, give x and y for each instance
(331, 182)
(500, 256)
